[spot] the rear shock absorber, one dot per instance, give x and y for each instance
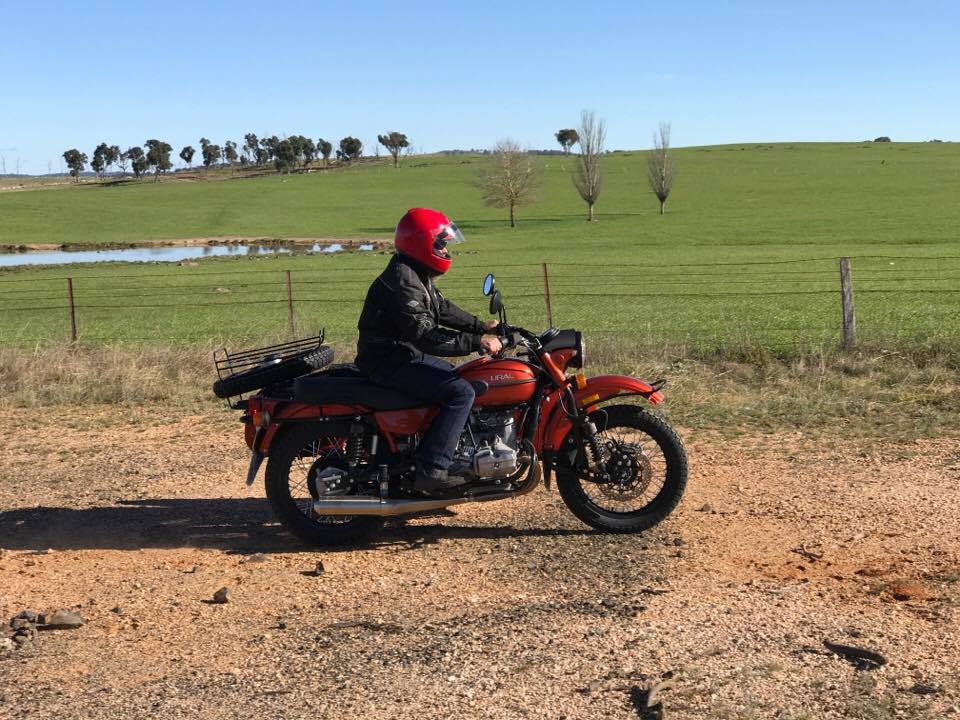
(354, 449)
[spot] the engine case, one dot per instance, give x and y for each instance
(489, 444)
(498, 460)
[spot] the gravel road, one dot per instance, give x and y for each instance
(498, 610)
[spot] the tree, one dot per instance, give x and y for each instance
(230, 153)
(76, 161)
(121, 160)
(187, 155)
(97, 165)
(103, 157)
(350, 149)
(270, 147)
(324, 148)
(587, 177)
(660, 167)
(99, 161)
(250, 146)
(511, 180)
(285, 156)
(567, 139)
(394, 142)
(138, 161)
(301, 147)
(112, 155)
(309, 149)
(158, 156)
(210, 153)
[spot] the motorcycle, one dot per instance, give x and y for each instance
(340, 449)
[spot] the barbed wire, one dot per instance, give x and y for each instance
(202, 298)
(354, 300)
(564, 281)
(339, 270)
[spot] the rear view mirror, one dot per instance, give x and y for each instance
(489, 284)
(496, 302)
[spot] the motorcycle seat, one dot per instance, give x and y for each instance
(323, 389)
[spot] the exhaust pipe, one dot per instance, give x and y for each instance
(385, 507)
(389, 507)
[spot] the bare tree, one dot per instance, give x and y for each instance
(588, 178)
(660, 168)
(511, 180)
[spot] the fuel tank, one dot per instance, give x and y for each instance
(508, 381)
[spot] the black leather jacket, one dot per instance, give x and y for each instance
(402, 318)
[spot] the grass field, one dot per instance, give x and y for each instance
(745, 256)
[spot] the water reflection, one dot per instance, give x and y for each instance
(160, 254)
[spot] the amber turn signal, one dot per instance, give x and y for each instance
(580, 380)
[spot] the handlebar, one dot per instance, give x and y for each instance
(515, 334)
(511, 336)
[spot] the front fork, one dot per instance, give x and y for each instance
(585, 435)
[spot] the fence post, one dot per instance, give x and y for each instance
(846, 299)
(73, 311)
(546, 295)
(293, 330)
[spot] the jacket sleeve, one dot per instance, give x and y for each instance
(457, 318)
(414, 320)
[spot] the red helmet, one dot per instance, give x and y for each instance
(422, 235)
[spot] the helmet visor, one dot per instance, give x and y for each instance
(447, 234)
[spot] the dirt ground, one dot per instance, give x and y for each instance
(503, 610)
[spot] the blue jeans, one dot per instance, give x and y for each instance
(434, 382)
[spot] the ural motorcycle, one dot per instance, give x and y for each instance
(340, 449)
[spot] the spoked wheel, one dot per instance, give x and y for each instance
(299, 461)
(646, 467)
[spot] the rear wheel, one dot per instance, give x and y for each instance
(297, 457)
(646, 467)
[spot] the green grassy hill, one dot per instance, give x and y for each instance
(804, 194)
(632, 273)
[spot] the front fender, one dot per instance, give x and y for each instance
(598, 389)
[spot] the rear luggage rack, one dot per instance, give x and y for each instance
(230, 366)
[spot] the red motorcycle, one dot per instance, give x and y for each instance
(341, 449)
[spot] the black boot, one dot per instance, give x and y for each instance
(435, 481)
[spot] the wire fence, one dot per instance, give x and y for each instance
(802, 297)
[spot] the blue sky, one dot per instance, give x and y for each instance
(463, 75)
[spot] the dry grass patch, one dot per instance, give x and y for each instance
(867, 393)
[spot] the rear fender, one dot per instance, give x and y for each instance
(283, 412)
(263, 437)
(597, 390)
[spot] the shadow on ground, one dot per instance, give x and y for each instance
(230, 524)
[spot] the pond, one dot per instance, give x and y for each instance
(162, 254)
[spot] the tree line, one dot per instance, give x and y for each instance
(512, 180)
(286, 154)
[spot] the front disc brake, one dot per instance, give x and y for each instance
(629, 471)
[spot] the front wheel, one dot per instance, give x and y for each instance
(646, 466)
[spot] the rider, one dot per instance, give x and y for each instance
(405, 321)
